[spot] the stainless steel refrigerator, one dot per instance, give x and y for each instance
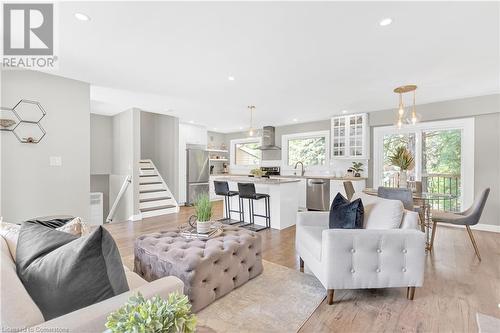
(197, 174)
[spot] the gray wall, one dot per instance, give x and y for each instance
(30, 187)
(159, 141)
(486, 112)
(101, 144)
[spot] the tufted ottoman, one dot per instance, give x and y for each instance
(209, 268)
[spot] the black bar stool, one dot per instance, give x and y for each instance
(247, 191)
(222, 188)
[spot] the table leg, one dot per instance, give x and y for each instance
(428, 225)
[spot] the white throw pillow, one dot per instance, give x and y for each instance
(10, 232)
(380, 213)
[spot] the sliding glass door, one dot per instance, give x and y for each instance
(444, 159)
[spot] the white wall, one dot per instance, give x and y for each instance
(30, 187)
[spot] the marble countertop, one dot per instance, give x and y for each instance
(295, 177)
(256, 180)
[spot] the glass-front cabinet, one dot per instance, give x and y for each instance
(350, 136)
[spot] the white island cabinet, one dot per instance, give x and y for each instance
(283, 201)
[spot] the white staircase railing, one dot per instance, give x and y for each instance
(112, 211)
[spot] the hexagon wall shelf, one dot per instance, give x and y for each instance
(23, 120)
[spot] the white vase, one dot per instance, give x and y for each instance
(203, 227)
(403, 179)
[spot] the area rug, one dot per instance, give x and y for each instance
(279, 300)
(487, 324)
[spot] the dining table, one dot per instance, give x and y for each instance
(422, 200)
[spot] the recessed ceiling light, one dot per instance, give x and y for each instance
(82, 17)
(385, 22)
(215, 128)
(344, 111)
(295, 119)
(191, 121)
(241, 128)
(230, 78)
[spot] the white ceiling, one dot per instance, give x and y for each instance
(291, 60)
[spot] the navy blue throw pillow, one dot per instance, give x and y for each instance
(345, 214)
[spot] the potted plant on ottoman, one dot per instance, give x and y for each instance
(153, 315)
(203, 214)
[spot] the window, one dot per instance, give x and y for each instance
(245, 152)
(311, 148)
(444, 159)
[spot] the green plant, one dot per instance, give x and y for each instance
(257, 172)
(203, 208)
(357, 166)
(154, 315)
(402, 158)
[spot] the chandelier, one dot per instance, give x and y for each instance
(404, 117)
(251, 131)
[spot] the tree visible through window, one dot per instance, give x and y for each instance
(310, 151)
(247, 153)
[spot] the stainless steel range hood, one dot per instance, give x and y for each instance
(268, 138)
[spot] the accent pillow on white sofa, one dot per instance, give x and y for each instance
(10, 232)
(380, 213)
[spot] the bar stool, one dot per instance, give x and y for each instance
(247, 191)
(222, 188)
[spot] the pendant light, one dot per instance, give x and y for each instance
(251, 131)
(402, 117)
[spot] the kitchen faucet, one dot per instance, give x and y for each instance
(302, 171)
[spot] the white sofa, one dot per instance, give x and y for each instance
(18, 311)
(388, 252)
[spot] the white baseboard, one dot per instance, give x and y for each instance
(479, 226)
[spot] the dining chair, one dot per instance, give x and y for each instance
(349, 189)
(405, 195)
(466, 218)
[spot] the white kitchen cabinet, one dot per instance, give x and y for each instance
(350, 137)
(302, 193)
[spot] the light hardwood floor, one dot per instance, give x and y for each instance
(456, 284)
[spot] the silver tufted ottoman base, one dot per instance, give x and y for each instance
(209, 269)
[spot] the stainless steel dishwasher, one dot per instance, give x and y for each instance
(318, 194)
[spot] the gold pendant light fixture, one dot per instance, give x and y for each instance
(251, 131)
(403, 117)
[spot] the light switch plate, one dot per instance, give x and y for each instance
(55, 161)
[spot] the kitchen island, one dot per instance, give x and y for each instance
(283, 199)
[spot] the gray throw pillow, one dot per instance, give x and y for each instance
(63, 273)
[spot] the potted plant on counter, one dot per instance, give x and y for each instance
(257, 172)
(404, 160)
(357, 168)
